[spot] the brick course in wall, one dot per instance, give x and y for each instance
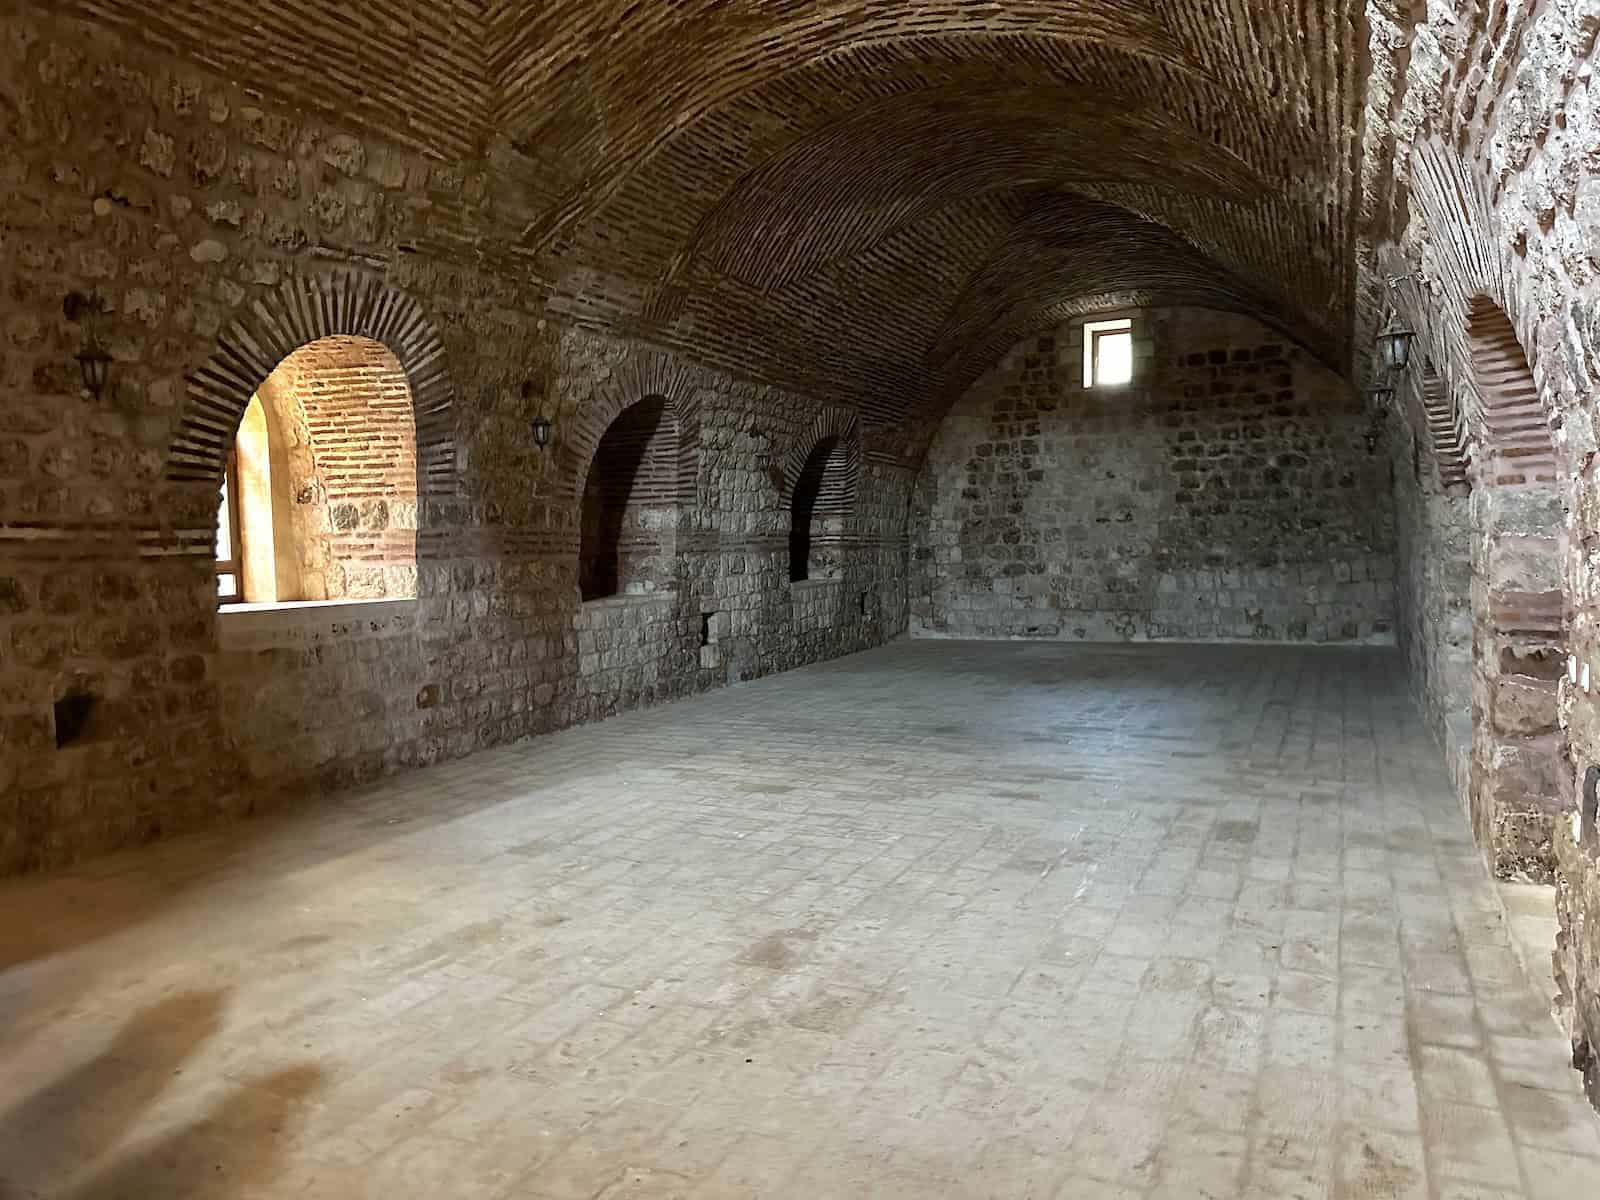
(1227, 493)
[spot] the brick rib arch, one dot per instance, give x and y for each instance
(742, 46)
(298, 313)
(1447, 432)
(1067, 246)
(1451, 211)
(884, 165)
(833, 423)
(814, 223)
(1516, 432)
(1452, 201)
(644, 373)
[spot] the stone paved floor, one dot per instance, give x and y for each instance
(943, 919)
(1530, 911)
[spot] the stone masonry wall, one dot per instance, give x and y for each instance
(1227, 493)
(186, 205)
(1484, 119)
(728, 613)
(204, 218)
(1433, 533)
(324, 697)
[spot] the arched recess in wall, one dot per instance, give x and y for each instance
(818, 489)
(663, 466)
(319, 495)
(628, 517)
(1518, 785)
(1517, 435)
(383, 341)
(296, 314)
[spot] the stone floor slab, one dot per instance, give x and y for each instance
(963, 919)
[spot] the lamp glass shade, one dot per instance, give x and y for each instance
(1394, 348)
(541, 432)
(95, 366)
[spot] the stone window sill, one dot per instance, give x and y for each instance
(300, 621)
(810, 585)
(624, 601)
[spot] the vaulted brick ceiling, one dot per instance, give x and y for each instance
(868, 201)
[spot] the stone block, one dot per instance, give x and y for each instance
(1523, 706)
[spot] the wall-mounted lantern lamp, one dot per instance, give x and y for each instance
(1394, 339)
(542, 425)
(94, 364)
(1379, 396)
(1394, 345)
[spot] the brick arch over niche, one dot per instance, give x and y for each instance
(1446, 431)
(644, 374)
(836, 425)
(298, 313)
(628, 513)
(1516, 433)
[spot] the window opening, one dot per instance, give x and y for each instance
(229, 556)
(1107, 353)
(72, 717)
(319, 494)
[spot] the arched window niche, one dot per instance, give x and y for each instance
(319, 496)
(629, 514)
(820, 504)
(1519, 786)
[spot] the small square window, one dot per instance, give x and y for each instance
(1107, 353)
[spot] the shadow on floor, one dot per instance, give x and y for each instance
(140, 882)
(79, 1119)
(236, 1148)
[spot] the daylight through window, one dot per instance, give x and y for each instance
(320, 496)
(1107, 353)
